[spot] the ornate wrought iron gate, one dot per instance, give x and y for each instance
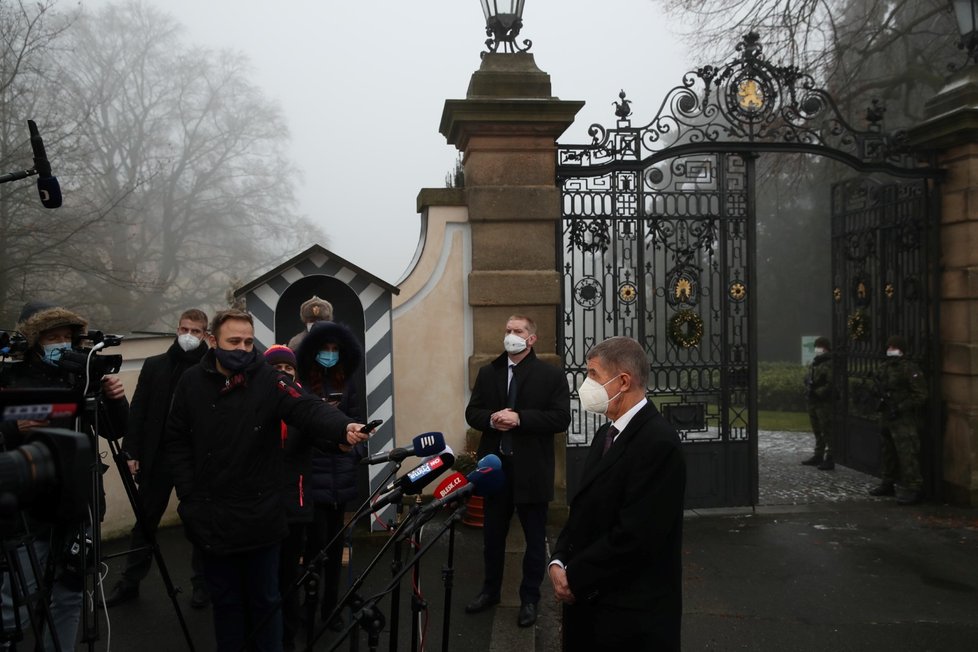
(883, 254)
(659, 244)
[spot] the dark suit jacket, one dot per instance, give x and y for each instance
(622, 542)
(543, 403)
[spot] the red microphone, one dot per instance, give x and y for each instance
(450, 485)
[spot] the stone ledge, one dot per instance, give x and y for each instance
(440, 197)
(515, 288)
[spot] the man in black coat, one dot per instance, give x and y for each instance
(519, 403)
(617, 563)
(143, 443)
(224, 446)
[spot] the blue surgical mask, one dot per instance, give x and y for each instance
(328, 358)
(53, 352)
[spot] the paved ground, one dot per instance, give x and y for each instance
(818, 565)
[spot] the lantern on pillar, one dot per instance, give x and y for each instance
(504, 19)
(966, 14)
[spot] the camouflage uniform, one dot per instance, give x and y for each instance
(820, 393)
(903, 391)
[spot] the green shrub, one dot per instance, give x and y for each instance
(781, 386)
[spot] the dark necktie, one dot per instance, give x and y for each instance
(506, 440)
(609, 438)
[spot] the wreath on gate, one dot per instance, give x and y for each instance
(686, 329)
(858, 324)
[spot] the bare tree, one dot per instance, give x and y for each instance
(28, 232)
(896, 50)
(174, 173)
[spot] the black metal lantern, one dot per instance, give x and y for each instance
(504, 19)
(966, 13)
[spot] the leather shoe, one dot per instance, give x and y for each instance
(122, 592)
(885, 489)
(481, 602)
(200, 598)
(814, 460)
(528, 614)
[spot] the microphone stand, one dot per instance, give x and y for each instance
(396, 566)
(418, 604)
(310, 574)
(448, 577)
(368, 610)
(357, 583)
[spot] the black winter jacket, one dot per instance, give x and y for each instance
(151, 404)
(224, 445)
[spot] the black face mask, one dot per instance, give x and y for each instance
(235, 360)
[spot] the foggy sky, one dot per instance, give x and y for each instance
(362, 84)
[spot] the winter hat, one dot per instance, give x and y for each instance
(37, 317)
(278, 354)
(327, 331)
(316, 309)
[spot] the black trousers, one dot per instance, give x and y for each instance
(499, 510)
(154, 496)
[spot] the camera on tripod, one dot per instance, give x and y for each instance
(86, 361)
(48, 474)
(12, 344)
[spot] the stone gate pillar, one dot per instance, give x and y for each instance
(506, 128)
(951, 130)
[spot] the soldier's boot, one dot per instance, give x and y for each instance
(884, 489)
(827, 464)
(814, 460)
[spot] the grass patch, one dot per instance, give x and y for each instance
(787, 421)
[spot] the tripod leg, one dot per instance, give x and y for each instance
(149, 534)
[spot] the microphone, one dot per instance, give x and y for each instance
(425, 444)
(485, 480)
(415, 480)
(47, 185)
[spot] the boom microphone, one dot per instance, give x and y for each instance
(415, 480)
(429, 443)
(47, 185)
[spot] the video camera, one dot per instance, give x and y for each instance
(50, 473)
(83, 361)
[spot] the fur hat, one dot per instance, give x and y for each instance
(278, 354)
(316, 309)
(321, 333)
(38, 317)
(897, 342)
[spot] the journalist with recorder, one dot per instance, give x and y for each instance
(223, 443)
(51, 334)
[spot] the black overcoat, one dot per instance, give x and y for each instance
(622, 542)
(543, 404)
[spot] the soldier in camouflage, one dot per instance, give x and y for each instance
(820, 392)
(902, 391)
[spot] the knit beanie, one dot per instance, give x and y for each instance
(278, 354)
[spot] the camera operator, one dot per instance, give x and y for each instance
(51, 330)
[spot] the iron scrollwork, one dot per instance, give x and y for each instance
(747, 104)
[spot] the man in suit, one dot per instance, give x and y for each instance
(519, 402)
(143, 443)
(617, 565)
